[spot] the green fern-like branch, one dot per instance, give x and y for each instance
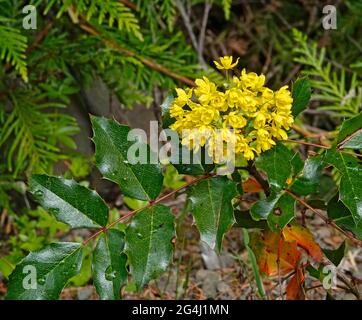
(114, 12)
(339, 95)
(12, 48)
(30, 136)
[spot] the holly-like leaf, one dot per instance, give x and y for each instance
(244, 220)
(278, 209)
(297, 163)
(335, 256)
(42, 274)
(341, 215)
(109, 265)
(69, 202)
(212, 209)
(351, 181)
(350, 134)
(294, 288)
(262, 208)
(308, 180)
(276, 163)
(304, 239)
(192, 163)
(301, 94)
(267, 246)
(141, 181)
(148, 243)
(282, 213)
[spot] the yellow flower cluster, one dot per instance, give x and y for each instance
(246, 114)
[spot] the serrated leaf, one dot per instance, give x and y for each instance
(196, 165)
(262, 208)
(69, 202)
(282, 213)
(304, 239)
(341, 215)
(244, 220)
(53, 265)
(335, 256)
(276, 163)
(350, 134)
(351, 181)
(212, 209)
(301, 94)
(297, 163)
(139, 181)
(109, 265)
(148, 243)
(308, 180)
(267, 245)
(278, 209)
(294, 288)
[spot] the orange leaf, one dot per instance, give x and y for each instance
(304, 239)
(251, 185)
(294, 288)
(267, 246)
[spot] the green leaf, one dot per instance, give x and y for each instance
(278, 209)
(6, 267)
(69, 202)
(350, 134)
(109, 265)
(148, 243)
(308, 180)
(85, 274)
(351, 181)
(244, 220)
(139, 181)
(276, 163)
(134, 204)
(335, 256)
(262, 208)
(301, 95)
(254, 264)
(197, 165)
(52, 266)
(297, 163)
(212, 209)
(341, 215)
(282, 213)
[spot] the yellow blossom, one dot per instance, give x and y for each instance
(235, 120)
(247, 116)
(204, 90)
(182, 96)
(252, 80)
(176, 111)
(226, 63)
(283, 99)
(218, 101)
(233, 97)
(261, 118)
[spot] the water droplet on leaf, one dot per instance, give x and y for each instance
(38, 193)
(110, 274)
(54, 211)
(139, 235)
